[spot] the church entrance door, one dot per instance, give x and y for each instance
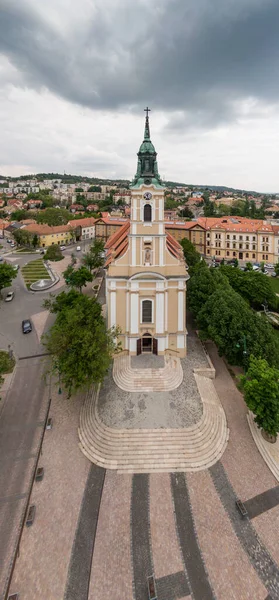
(147, 343)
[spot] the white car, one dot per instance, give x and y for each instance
(9, 297)
(269, 266)
(62, 247)
(255, 268)
(16, 267)
(78, 248)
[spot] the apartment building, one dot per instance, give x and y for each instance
(84, 228)
(107, 226)
(249, 240)
(61, 234)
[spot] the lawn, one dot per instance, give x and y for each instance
(33, 271)
(6, 364)
(274, 282)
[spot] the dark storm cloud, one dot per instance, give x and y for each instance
(195, 58)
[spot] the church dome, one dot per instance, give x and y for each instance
(147, 146)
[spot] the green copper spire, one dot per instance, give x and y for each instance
(147, 169)
(146, 129)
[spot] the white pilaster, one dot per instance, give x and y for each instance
(134, 316)
(161, 209)
(161, 251)
(134, 251)
(112, 309)
(159, 312)
(134, 209)
(181, 341)
(180, 310)
(166, 310)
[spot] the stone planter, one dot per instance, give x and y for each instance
(268, 437)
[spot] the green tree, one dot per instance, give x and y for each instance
(95, 188)
(170, 203)
(191, 255)
(249, 266)
(35, 241)
(186, 213)
(226, 318)
(202, 283)
(77, 278)
(261, 394)
(79, 343)
(23, 237)
(255, 287)
(19, 215)
(7, 274)
(97, 254)
(54, 253)
(276, 269)
(53, 216)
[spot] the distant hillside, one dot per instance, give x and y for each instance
(68, 178)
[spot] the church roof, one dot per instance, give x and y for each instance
(117, 244)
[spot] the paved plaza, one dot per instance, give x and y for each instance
(99, 534)
(181, 407)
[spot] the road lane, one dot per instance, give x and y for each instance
(20, 431)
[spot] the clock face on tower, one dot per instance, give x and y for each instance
(147, 196)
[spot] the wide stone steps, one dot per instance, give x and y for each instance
(147, 380)
(154, 450)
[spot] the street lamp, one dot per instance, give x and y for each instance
(245, 351)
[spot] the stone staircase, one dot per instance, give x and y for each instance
(147, 380)
(156, 450)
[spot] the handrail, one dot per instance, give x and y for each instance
(172, 350)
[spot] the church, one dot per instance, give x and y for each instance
(146, 271)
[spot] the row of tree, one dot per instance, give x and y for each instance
(223, 302)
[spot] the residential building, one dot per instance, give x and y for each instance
(47, 236)
(84, 228)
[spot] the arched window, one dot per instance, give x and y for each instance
(147, 213)
(146, 311)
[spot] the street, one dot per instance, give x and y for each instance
(23, 410)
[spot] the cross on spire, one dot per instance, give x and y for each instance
(147, 110)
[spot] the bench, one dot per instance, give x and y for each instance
(242, 509)
(31, 515)
(152, 594)
(49, 423)
(13, 597)
(39, 474)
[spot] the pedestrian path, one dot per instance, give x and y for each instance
(156, 450)
(165, 379)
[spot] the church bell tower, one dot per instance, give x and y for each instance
(146, 279)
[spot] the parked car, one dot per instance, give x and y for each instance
(1, 259)
(16, 267)
(9, 297)
(78, 248)
(9, 241)
(13, 245)
(26, 326)
(273, 275)
(255, 268)
(269, 266)
(62, 247)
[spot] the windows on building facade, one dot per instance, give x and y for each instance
(147, 213)
(146, 308)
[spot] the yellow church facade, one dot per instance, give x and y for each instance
(146, 272)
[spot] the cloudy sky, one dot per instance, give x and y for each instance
(75, 76)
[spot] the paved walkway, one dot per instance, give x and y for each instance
(183, 527)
